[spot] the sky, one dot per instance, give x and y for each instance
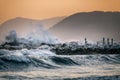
(42, 9)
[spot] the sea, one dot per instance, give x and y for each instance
(38, 64)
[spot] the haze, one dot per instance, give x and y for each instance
(41, 9)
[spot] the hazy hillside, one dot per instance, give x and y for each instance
(24, 25)
(93, 25)
(48, 23)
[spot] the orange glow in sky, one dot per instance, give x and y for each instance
(41, 9)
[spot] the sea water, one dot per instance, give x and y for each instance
(38, 64)
(42, 64)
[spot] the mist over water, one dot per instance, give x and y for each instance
(32, 35)
(41, 63)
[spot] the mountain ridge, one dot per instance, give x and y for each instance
(24, 25)
(90, 25)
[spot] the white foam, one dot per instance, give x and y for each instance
(35, 35)
(25, 54)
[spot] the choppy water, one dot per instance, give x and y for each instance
(36, 64)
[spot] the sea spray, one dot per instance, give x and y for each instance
(33, 39)
(42, 36)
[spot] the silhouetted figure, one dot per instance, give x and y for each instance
(86, 43)
(103, 41)
(108, 42)
(112, 42)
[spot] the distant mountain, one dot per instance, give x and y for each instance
(92, 25)
(18, 21)
(48, 23)
(24, 25)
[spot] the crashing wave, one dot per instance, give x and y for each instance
(24, 59)
(34, 38)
